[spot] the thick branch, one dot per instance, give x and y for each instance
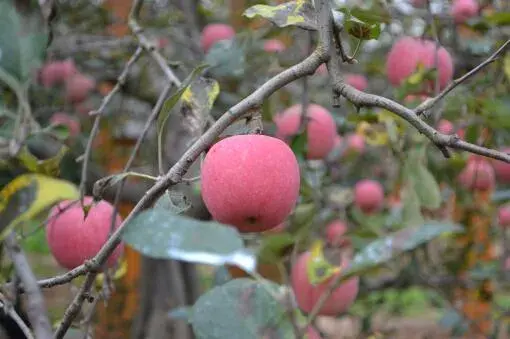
(36, 308)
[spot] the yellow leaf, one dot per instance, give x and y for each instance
(374, 134)
(28, 195)
(506, 65)
(119, 273)
(318, 268)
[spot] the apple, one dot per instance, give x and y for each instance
(408, 52)
(78, 87)
(322, 70)
(463, 10)
(335, 232)
(368, 196)
(504, 216)
(308, 294)
(74, 238)
(477, 175)
(501, 168)
(65, 119)
(320, 128)
(250, 182)
(212, 33)
(356, 143)
(357, 81)
(56, 72)
(274, 46)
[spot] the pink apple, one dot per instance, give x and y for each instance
(320, 128)
(65, 119)
(274, 46)
(213, 33)
(72, 238)
(335, 233)
(250, 182)
(368, 196)
(308, 294)
(78, 87)
(357, 81)
(408, 52)
(463, 10)
(477, 175)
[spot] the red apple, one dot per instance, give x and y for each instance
(308, 294)
(463, 10)
(250, 182)
(65, 119)
(408, 52)
(320, 128)
(368, 196)
(213, 33)
(477, 175)
(335, 232)
(501, 168)
(78, 87)
(357, 81)
(445, 126)
(504, 216)
(72, 238)
(356, 143)
(274, 46)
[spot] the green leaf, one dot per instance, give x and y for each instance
(23, 40)
(173, 201)
(49, 166)
(242, 308)
(274, 247)
(411, 211)
(28, 195)
(376, 13)
(385, 249)
(426, 187)
(200, 95)
(299, 145)
(174, 99)
(227, 58)
(300, 13)
(499, 18)
(362, 30)
(161, 234)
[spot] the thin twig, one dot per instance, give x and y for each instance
(427, 104)
(36, 307)
(99, 113)
(11, 312)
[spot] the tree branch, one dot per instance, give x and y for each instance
(428, 104)
(36, 308)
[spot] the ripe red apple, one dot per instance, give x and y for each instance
(250, 182)
(67, 69)
(356, 143)
(463, 10)
(56, 72)
(445, 126)
(274, 46)
(357, 81)
(501, 168)
(335, 232)
(213, 33)
(308, 294)
(408, 52)
(504, 216)
(477, 175)
(368, 196)
(320, 128)
(78, 87)
(65, 119)
(72, 238)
